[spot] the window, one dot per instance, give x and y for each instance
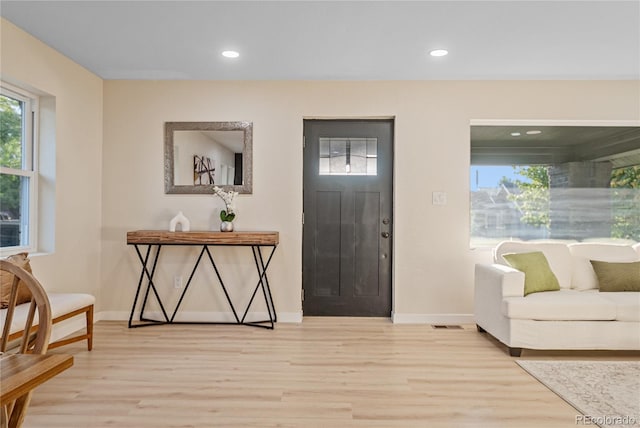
(348, 156)
(577, 183)
(18, 169)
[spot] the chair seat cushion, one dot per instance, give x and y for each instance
(19, 317)
(61, 304)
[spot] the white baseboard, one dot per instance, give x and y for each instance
(290, 317)
(283, 317)
(438, 319)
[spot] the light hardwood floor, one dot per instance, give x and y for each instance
(325, 372)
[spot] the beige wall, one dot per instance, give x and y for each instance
(74, 169)
(433, 265)
(109, 172)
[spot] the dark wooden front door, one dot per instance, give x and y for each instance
(348, 217)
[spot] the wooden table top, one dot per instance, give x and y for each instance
(201, 237)
(20, 373)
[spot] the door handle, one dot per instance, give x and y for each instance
(385, 234)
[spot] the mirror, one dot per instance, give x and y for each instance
(201, 155)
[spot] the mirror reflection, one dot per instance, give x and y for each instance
(201, 155)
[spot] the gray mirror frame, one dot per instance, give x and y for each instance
(247, 156)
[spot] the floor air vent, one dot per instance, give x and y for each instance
(450, 327)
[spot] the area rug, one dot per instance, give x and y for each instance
(606, 393)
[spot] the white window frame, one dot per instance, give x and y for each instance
(29, 166)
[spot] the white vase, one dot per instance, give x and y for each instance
(181, 220)
(226, 226)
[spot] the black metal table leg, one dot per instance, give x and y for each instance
(150, 286)
(142, 272)
(263, 284)
(266, 279)
(186, 287)
(215, 267)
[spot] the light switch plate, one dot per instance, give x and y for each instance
(439, 198)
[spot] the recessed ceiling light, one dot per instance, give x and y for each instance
(534, 132)
(230, 54)
(439, 52)
(515, 134)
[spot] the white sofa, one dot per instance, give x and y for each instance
(578, 316)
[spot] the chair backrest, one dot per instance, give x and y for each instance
(35, 338)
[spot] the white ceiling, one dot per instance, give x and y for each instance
(340, 40)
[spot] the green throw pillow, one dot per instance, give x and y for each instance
(537, 273)
(617, 276)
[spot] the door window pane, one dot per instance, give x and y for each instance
(348, 156)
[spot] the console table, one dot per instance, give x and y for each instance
(156, 239)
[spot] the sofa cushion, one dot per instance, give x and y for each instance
(627, 305)
(556, 253)
(617, 276)
(563, 305)
(584, 277)
(538, 276)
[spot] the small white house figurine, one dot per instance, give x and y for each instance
(181, 220)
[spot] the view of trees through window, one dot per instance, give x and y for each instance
(14, 182)
(524, 205)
